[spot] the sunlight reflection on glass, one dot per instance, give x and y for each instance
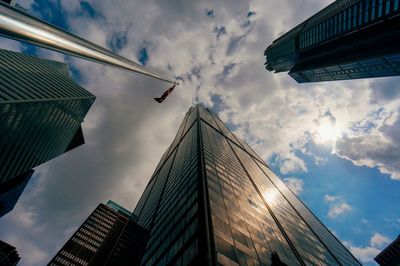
(270, 196)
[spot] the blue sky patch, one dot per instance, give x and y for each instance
(341, 178)
(251, 13)
(88, 9)
(210, 13)
(143, 56)
(51, 12)
(220, 31)
(117, 41)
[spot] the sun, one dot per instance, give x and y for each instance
(327, 132)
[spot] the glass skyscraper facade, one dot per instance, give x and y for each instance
(41, 111)
(213, 201)
(349, 39)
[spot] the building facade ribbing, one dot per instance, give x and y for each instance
(41, 111)
(348, 39)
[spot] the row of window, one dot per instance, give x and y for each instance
(32, 78)
(281, 50)
(359, 14)
(95, 229)
(376, 67)
(62, 261)
(92, 234)
(73, 258)
(88, 239)
(84, 244)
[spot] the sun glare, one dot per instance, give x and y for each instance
(326, 132)
(270, 196)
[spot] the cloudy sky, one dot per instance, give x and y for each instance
(336, 144)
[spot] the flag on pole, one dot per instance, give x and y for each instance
(165, 94)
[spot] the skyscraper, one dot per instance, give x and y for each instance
(349, 39)
(213, 200)
(109, 236)
(41, 111)
(8, 255)
(390, 256)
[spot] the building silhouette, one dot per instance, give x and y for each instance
(8, 255)
(212, 200)
(109, 236)
(41, 111)
(11, 191)
(349, 39)
(390, 256)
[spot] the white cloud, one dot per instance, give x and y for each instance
(330, 198)
(379, 240)
(366, 254)
(380, 149)
(337, 206)
(339, 209)
(295, 184)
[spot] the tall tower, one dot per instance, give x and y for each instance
(349, 39)
(109, 236)
(212, 200)
(41, 111)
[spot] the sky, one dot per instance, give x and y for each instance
(336, 144)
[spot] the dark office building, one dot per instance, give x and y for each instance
(390, 256)
(41, 111)
(8, 255)
(349, 39)
(109, 236)
(11, 190)
(213, 201)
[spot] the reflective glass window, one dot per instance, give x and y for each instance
(380, 7)
(366, 16)
(387, 7)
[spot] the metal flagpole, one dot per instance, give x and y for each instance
(18, 25)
